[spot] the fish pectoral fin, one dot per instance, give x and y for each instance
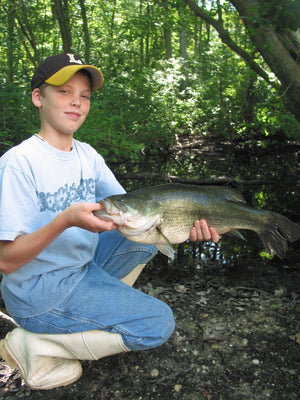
(167, 250)
(236, 234)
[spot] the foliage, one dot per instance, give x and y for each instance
(148, 103)
(279, 13)
(17, 115)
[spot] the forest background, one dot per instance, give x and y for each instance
(193, 91)
(171, 68)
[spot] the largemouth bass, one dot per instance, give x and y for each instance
(164, 215)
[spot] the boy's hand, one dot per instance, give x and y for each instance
(81, 215)
(201, 232)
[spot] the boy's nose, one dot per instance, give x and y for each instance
(76, 101)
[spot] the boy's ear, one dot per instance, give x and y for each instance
(36, 97)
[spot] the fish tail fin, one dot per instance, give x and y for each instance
(277, 233)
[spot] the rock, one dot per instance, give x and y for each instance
(154, 373)
(177, 388)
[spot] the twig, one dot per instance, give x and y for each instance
(168, 377)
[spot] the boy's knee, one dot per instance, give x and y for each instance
(155, 330)
(163, 326)
(166, 324)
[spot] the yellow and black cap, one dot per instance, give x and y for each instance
(58, 69)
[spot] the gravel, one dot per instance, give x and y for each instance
(237, 338)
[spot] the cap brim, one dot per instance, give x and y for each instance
(64, 74)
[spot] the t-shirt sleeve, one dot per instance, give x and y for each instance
(18, 202)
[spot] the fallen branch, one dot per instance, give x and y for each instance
(154, 177)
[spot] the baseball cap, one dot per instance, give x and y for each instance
(58, 69)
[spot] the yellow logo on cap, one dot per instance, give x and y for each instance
(72, 59)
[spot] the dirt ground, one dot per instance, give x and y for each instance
(237, 338)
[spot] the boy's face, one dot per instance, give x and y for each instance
(63, 109)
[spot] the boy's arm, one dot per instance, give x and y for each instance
(14, 254)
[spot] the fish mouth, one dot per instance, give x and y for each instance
(129, 221)
(134, 230)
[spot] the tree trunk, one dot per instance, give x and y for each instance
(61, 11)
(142, 38)
(248, 110)
(275, 52)
(25, 27)
(225, 37)
(168, 43)
(111, 63)
(167, 32)
(183, 55)
(11, 42)
(147, 58)
(269, 43)
(85, 32)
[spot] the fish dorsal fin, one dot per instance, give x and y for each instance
(233, 195)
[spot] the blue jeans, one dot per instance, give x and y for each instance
(101, 301)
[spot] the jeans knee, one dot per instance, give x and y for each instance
(166, 324)
(154, 330)
(163, 325)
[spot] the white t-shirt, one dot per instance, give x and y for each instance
(37, 182)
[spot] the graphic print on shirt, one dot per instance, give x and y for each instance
(66, 195)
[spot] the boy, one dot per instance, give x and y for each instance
(61, 279)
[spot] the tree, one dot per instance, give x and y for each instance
(10, 40)
(167, 32)
(61, 11)
(274, 28)
(277, 43)
(85, 32)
